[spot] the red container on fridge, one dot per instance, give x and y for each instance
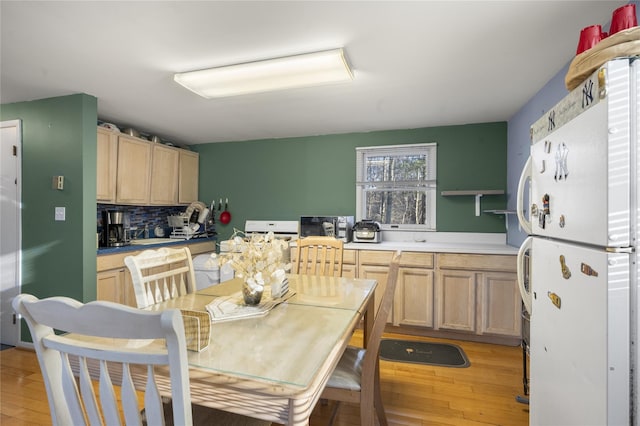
(589, 37)
(623, 18)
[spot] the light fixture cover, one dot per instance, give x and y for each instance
(309, 69)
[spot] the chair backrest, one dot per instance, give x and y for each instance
(320, 256)
(101, 355)
(162, 274)
(380, 320)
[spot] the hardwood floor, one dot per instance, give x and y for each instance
(483, 394)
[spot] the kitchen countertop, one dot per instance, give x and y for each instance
(471, 243)
(441, 242)
(163, 243)
(437, 247)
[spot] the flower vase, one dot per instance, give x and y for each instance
(251, 295)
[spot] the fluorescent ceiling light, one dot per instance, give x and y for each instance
(309, 69)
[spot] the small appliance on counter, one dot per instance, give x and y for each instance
(340, 227)
(367, 231)
(113, 232)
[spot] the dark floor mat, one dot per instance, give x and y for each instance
(442, 354)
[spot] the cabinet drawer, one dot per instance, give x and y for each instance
(112, 261)
(349, 257)
(375, 257)
(410, 259)
(477, 262)
(414, 259)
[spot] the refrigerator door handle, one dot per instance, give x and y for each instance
(524, 176)
(526, 295)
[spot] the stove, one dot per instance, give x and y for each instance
(285, 229)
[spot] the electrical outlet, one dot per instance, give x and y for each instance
(60, 214)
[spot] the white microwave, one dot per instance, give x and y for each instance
(340, 227)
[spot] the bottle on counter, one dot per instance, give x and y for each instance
(146, 231)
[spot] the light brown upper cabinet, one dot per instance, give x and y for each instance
(164, 175)
(188, 177)
(107, 165)
(134, 171)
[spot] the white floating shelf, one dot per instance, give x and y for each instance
(500, 211)
(506, 214)
(473, 192)
(478, 193)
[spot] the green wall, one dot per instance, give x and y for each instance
(279, 179)
(283, 179)
(58, 138)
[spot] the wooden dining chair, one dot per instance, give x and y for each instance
(356, 378)
(116, 350)
(102, 324)
(320, 256)
(162, 274)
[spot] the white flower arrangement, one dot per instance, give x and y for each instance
(257, 259)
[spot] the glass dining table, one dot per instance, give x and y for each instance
(275, 366)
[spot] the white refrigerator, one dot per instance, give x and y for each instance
(580, 188)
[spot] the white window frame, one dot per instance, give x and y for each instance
(429, 183)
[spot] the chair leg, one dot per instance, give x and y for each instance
(334, 413)
(367, 416)
(377, 397)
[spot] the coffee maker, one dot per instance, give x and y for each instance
(113, 231)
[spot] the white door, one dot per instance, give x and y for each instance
(11, 147)
(579, 348)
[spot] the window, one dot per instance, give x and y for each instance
(396, 186)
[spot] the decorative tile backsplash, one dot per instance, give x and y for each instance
(139, 216)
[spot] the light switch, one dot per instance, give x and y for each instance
(60, 214)
(58, 183)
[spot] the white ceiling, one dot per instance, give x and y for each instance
(416, 64)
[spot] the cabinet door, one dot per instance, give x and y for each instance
(188, 179)
(350, 263)
(106, 165)
(378, 273)
(414, 298)
(500, 304)
(164, 175)
(128, 294)
(134, 171)
(349, 271)
(109, 285)
(456, 300)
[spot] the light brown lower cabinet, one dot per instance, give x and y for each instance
(114, 280)
(413, 300)
(478, 294)
(378, 273)
(456, 298)
(500, 301)
(450, 293)
(115, 286)
(349, 263)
